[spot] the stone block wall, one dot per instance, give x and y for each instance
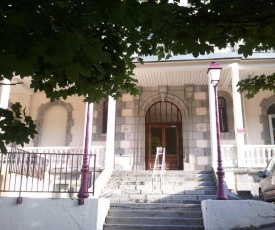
(193, 103)
(127, 123)
(196, 131)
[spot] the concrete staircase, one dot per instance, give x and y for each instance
(136, 205)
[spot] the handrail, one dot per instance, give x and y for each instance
(159, 168)
(98, 150)
(36, 174)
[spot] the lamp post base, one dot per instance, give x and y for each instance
(221, 194)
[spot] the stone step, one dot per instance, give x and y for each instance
(150, 227)
(176, 176)
(180, 186)
(165, 177)
(157, 180)
(154, 213)
(146, 201)
(150, 191)
(168, 187)
(178, 183)
(167, 207)
(154, 220)
(167, 172)
(180, 189)
(165, 188)
(161, 196)
(155, 216)
(135, 205)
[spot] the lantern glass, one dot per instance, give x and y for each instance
(214, 72)
(215, 75)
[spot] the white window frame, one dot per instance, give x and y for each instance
(271, 128)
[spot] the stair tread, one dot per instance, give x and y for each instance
(180, 225)
(155, 218)
(177, 205)
(156, 225)
(159, 206)
(152, 213)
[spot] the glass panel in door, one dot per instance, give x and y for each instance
(156, 139)
(171, 140)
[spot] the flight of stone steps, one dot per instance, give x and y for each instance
(137, 203)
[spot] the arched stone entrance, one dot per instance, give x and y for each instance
(163, 128)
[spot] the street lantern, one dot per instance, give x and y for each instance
(214, 72)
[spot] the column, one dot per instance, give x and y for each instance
(88, 129)
(5, 95)
(213, 128)
(110, 137)
(238, 115)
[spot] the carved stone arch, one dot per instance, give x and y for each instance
(230, 135)
(40, 116)
(265, 104)
(155, 97)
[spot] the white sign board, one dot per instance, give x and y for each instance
(241, 130)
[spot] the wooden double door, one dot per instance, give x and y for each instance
(167, 136)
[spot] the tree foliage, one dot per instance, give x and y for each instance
(252, 86)
(16, 127)
(87, 47)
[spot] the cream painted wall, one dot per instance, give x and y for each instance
(24, 100)
(54, 127)
(252, 113)
(78, 115)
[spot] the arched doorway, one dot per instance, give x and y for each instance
(163, 124)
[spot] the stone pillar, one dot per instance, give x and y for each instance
(213, 130)
(5, 95)
(110, 137)
(238, 115)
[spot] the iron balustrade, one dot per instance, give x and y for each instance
(36, 174)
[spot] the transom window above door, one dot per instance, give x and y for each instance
(163, 112)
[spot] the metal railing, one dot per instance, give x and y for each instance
(99, 151)
(159, 168)
(54, 175)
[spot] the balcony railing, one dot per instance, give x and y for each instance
(257, 156)
(55, 175)
(253, 156)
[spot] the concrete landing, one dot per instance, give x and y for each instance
(237, 214)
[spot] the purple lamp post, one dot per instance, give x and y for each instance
(214, 72)
(83, 191)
